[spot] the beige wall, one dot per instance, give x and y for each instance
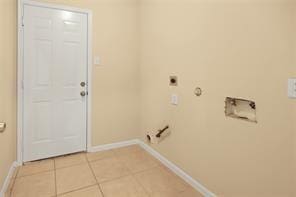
(7, 85)
(228, 48)
(115, 106)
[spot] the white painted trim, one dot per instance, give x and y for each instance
(55, 6)
(174, 168)
(8, 178)
(89, 80)
(20, 96)
(19, 84)
(113, 145)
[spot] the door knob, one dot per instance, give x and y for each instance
(2, 127)
(83, 93)
(82, 84)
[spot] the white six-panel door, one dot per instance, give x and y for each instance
(55, 64)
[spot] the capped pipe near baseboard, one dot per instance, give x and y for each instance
(2, 127)
(154, 137)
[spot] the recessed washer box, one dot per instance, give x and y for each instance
(241, 109)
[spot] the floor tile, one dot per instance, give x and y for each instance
(92, 191)
(100, 155)
(42, 184)
(70, 160)
(159, 180)
(167, 193)
(127, 149)
(74, 178)
(190, 192)
(35, 167)
(108, 169)
(123, 187)
(124, 172)
(175, 176)
(138, 161)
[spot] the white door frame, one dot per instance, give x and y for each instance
(20, 70)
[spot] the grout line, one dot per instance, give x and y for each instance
(146, 170)
(100, 189)
(34, 174)
(115, 157)
(75, 190)
(93, 173)
(114, 179)
(31, 163)
(55, 178)
(17, 177)
(134, 173)
(83, 162)
(119, 161)
(92, 161)
(72, 165)
(130, 172)
(144, 188)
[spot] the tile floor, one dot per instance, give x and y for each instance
(123, 172)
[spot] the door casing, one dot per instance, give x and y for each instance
(20, 69)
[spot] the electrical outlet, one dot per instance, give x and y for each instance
(97, 61)
(174, 99)
(292, 88)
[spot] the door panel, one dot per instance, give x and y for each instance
(42, 126)
(43, 62)
(55, 63)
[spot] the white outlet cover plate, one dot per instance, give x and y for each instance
(174, 99)
(292, 88)
(97, 61)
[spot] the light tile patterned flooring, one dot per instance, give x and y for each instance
(125, 172)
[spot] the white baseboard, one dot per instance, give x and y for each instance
(178, 171)
(8, 178)
(113, 145)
